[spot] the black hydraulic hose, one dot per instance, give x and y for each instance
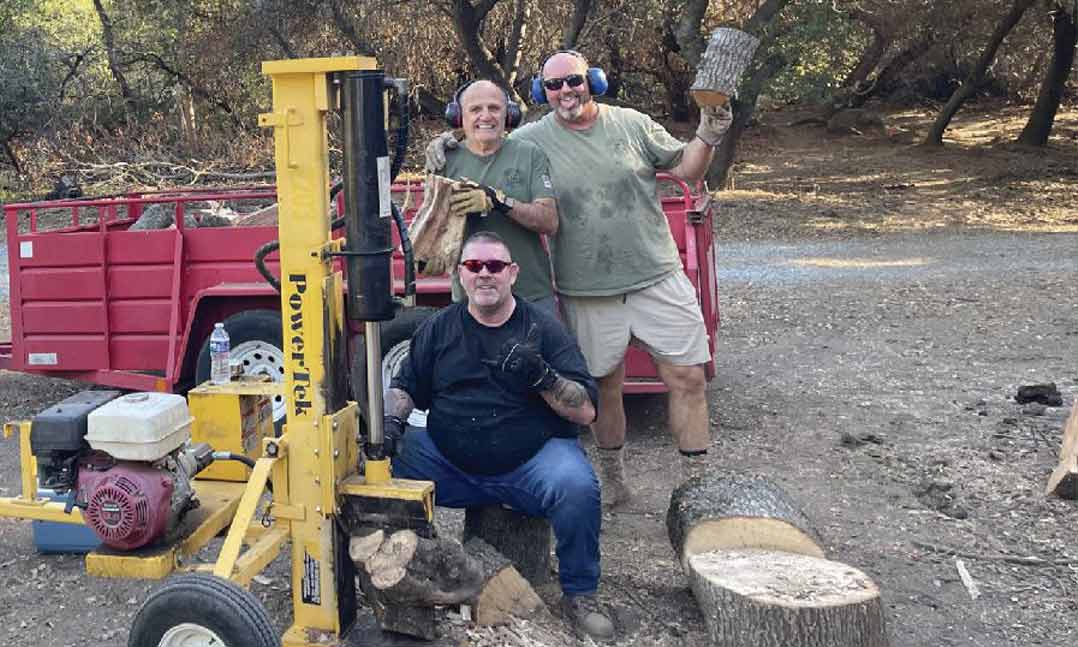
(406, 249)
(229, 456)
(401, 148)
(260, 263)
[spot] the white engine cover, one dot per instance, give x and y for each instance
(140, 426)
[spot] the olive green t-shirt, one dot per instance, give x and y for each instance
(520, 169)
(612, 235)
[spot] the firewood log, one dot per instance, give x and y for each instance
(728, 53)
(1064, 479)
(764, 598)
(436, 235)
(505, 594)
(726, 511)
(524, 540)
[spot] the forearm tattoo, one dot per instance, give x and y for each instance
(398, 403)
(569, 393)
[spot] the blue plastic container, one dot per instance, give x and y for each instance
(53, 537)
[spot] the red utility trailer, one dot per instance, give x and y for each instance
(92, 300)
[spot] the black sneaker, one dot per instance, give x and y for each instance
(584, 614)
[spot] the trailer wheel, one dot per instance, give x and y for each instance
(255, 340)
(396, 333)
(197, 610)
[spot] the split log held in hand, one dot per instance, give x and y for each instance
(728, 53)
(756, 568)
(436, 235)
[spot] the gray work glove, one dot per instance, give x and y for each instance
(435, 153)
(714, 122)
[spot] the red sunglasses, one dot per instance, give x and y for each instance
(574, 81)
(494, 266)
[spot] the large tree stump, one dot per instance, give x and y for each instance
(762, 598)
(505, 594)
(525, 541)
(1064, 479)
(728, 53)
(727, 511)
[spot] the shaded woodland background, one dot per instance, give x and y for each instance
(116, 94)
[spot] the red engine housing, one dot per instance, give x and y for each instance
(127, 505)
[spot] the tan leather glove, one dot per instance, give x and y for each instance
(469, 197)
(435, 152)
(714, 122)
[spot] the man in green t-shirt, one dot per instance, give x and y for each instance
(618, 272)
(515, 197)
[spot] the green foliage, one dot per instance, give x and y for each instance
(820, 46)
(28, 65)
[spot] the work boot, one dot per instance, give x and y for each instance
(610, 465)
(694, 464)
(584, 614)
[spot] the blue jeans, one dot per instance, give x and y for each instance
(557, 484)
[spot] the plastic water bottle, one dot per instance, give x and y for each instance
(219, 371)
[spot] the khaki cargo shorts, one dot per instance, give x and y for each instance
(664, 319)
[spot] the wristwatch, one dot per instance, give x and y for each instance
(509, 203)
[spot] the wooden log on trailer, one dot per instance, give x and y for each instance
(727, 511)
(766, 598)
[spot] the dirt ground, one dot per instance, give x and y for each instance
(881, 304)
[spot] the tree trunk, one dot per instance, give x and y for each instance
(733, 511)
(468, 20)
(109, 37)
(577, 20)
(689, 33)
(12, 157)
(348, 29)
(975, 77)
(763, 598)
(511, 62)
(870, 58)
(743, 108)
(1064, 34)
(525, 541)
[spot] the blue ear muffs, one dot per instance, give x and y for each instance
(597, 83)
(454, 115)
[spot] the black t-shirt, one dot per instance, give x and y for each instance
(480, 424)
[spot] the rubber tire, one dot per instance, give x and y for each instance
(246, 326)
(231, 612)
(397, 330)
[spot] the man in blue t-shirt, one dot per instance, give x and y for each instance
(507, 393)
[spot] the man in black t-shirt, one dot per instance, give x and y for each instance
(507, 392)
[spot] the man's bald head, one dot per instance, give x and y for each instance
(483, 107)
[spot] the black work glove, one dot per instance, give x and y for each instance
(497, 200)
(521, 362)
(392, 433)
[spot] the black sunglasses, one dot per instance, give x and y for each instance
(494, 266)
(574, 81)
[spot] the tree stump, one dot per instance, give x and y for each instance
(505, 594)
(728, 53)
(728, 511)
(525, 541)
(763, 598)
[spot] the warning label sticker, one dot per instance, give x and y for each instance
(312, 580)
